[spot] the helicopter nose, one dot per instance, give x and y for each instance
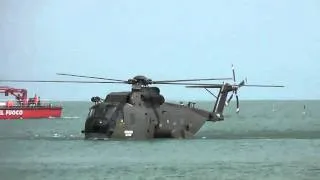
(103, 126)
(101, 122)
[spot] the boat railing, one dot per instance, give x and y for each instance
(34, 107)
(42, 105)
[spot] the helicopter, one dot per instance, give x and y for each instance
(143, 113)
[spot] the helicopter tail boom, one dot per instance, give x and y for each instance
(221, 100)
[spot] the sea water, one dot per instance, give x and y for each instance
(266, 140)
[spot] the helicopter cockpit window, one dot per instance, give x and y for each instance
(99, 112)
(103, 111)
(91, 112)
(110, 109)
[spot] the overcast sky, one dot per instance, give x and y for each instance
(269, 42)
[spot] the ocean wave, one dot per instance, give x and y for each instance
(292, 134)
(201, 135)
(53, 137)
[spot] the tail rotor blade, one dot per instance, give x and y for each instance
(242, 83)
(238, 108)
(234, 74)
(227, 103)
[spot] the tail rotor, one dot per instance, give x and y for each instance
(235, 88)
(225, 88)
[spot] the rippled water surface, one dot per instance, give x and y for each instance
(267, 140)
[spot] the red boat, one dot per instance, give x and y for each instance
(26, 108)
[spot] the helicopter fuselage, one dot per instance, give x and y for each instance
(143, 114)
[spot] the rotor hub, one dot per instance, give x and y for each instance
(140, 80)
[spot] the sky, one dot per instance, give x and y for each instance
(269, 42)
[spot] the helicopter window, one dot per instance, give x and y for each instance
(91, 112)
(109, 110)
(102, 111)
(99, 112)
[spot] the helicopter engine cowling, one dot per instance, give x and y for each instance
(152, 98)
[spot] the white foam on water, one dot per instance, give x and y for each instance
(70, 117)
(56, 135)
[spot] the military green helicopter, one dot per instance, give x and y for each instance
(143, 113)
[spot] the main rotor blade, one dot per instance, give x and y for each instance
(195, 84)
(58, 81)
(206, 86)
(253, 85)
(91, 77)
(183, 80)
(220, 85)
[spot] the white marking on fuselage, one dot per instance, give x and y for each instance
(128, 133)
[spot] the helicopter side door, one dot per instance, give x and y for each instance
(138, 125)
